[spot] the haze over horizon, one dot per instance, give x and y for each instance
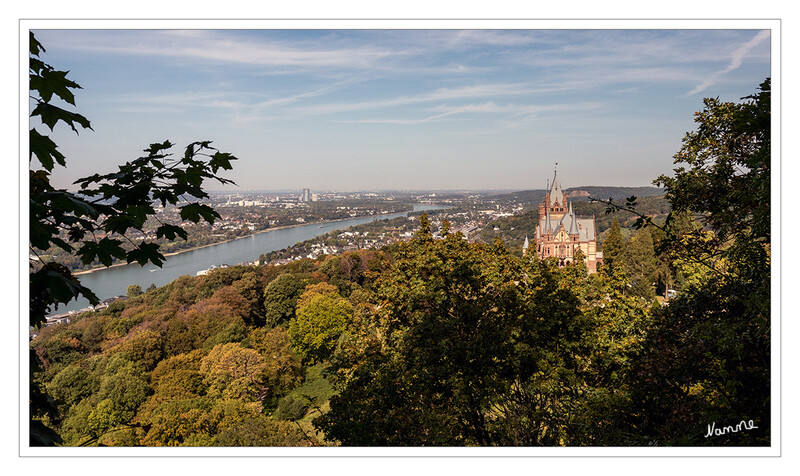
(231, 190)
(409, 110)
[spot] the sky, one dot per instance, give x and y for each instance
(410, 109)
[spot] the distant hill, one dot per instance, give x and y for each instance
(534, 197)
(513, 230)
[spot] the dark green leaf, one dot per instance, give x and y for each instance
(170, 232)
(194, 211)
(51, 82)
(45, 150)
(50, 115)
(146, 252)
(104, 251)
(154, 149)
(221, 160)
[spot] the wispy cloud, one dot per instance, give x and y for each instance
(226, 47)
(509, 111)
(437, 95)
(736, 61)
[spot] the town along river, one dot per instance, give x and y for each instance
(114, 281)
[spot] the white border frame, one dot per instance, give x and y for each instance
(627, 24)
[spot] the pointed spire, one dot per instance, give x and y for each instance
(525, 245)
(556, 195)
(573, 227)
(547, 222)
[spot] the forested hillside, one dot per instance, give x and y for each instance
(513, 230)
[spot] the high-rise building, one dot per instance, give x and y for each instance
(306, 195)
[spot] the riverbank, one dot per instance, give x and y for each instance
(114, 281)
(194, 248)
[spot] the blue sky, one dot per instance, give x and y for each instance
(403, 109)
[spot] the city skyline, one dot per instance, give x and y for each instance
(402, 109)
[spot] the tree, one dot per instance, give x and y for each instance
(72, 384)
(322, 316)
(282, 370)
(95, 222)
(134, 290)
(123, 388)
(280, 297)
(233, 371)
(639, 261)
(613, 245)
(455, 329)
(726, 179)
(262, 431)
(707, 357)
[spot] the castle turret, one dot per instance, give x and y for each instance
(556, 201)
(573, 226)
(556, 194)
(548, 227)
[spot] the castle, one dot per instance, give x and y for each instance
(561, 233)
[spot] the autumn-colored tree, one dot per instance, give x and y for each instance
(233, 371)
(145, 347)
(282, 367)
(207, 318)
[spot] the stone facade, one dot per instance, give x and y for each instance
(561, 233)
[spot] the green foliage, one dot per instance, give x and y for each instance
(316, 388)
(122, 390)
(322, 316)
(146, 347)
(639, 261)
(454, 330)
(708, 359)
(262, 431)
(292, 408)
(72, 384)
(233, 332)
(726, 176)
(134, 290)
(280, 297)
(613, 245)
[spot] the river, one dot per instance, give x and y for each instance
(114, 281)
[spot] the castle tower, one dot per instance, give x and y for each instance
(560, 233)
